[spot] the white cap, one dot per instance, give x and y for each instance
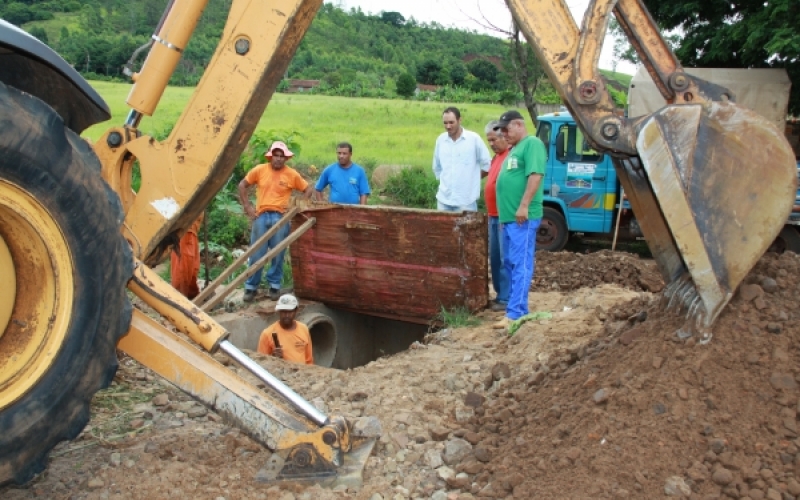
(287, 302)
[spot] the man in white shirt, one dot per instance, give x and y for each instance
(460, 159)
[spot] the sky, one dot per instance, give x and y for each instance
(463, 13)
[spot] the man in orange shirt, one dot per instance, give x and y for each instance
(185, 262)
(500, 279)
(275, 183)
(293, 337)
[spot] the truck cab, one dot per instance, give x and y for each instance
(581, 189)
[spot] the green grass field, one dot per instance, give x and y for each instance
(381, 131)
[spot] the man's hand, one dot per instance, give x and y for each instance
(522, 214)
(278, 352)
(250, 212)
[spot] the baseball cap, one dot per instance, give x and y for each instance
(507, 118)
(287, 302)
(279, 145)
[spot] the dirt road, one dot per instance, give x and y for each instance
(601, 401)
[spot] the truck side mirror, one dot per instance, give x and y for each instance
(560, 153)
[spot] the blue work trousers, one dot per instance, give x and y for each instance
(261, 225)
(519, 245)
(499, 275)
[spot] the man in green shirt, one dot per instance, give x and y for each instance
(519, 203)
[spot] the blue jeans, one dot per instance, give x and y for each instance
(499, 274)
(519, 243)
(261, 225)
(472, 207)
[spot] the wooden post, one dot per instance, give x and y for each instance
(619, 213)
(209, 290)
(263, 260)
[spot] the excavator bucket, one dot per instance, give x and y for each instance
(712, 186)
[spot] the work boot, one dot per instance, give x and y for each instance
(502, 324)
(249, 295)
(274, 293)
(498, 307)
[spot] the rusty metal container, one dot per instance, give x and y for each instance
(392, 262)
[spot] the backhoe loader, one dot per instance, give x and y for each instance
(74, 237)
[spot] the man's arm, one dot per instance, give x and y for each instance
(437, 167)
(530, 189)
(322, 183)
(364, 188)
(265, 345)
(308, 192)
(245, 201)
(483, 156)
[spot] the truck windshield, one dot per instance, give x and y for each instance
(574, 147)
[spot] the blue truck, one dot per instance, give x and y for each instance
(582, 192)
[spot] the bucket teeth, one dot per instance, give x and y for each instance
(681, 296)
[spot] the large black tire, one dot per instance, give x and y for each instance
(553, 234)
(49, 161)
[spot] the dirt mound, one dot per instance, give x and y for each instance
(638, 413)
(564, 271)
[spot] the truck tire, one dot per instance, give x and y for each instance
(67, 272)
(553, 233)
(788, 240)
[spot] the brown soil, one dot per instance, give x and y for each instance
(601, 401)
(565, 271)
(619, 417)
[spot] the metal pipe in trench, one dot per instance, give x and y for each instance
(288, 394)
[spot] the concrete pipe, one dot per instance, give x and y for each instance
(323, 336)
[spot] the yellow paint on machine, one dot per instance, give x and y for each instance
(39, 308)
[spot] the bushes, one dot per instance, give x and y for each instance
(406, 85)
(413, 187)
(227, 228)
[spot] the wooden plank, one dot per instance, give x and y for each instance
(259, 263)
(209, 290)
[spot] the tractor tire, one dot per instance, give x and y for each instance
(68, 268)
(553, 234)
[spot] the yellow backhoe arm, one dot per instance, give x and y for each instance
(183, 173)
(180, 176)
(710, 182)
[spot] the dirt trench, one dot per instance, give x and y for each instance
(600, 401)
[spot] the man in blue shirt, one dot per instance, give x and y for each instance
(348, 181)
(460, 159)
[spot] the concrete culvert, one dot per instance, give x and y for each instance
(323, 336)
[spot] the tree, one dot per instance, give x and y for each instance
(741, 34)
(485, 72)
(429, 71)
(393, 18)
(458, 72)
(526, 70)
(40, 33)
(520, 62)
(406, 85)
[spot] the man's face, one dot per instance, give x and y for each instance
(278, 159)
(497, 142)
(514, 132)
(287, 318)
(343, 155)
(451, 124)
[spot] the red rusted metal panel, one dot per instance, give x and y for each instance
(388, 261)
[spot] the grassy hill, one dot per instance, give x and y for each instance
(382, 131)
